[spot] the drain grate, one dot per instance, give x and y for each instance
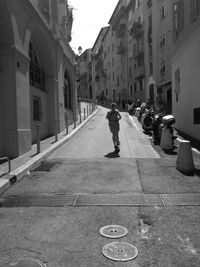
(23, 262)
(46, 166)
(120, 251)
(37, 201)
(113, 231)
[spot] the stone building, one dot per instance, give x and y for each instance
(158, 48)
(117, 50)
(136, 51)
(98, 71)
(37, 77)
(85, 89)
(186, 66)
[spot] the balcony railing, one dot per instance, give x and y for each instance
(136, 30)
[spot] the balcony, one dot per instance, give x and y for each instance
(139, 72)
(136, 30)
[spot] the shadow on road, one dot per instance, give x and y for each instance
(112, 155)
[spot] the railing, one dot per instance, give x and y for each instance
(136, 30)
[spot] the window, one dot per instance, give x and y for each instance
(151, 68)
(36, 74)
(113, 76)
(131, 90)
(177, 83)
(67, 92)
(114, 95)
(178, 17)
(162, 41)
(141, 84)
(113, 62)
(196, 116)
(194, 5)
(135, 87)
(130, 72)
(163, 11)
(162, 69)
(149, 4)
(37, 108)
(117, 80)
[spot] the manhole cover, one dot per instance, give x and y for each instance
(120, 251)
(113, 231)
(46, 167)
(25, 262)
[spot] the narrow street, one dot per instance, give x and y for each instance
(54, 214)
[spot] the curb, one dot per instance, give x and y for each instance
(17, 174)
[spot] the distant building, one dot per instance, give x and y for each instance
(186, 66)
(118, 53)
(85, 89)
(98, 67)
(37, 77)
(136, 50)
(158, 49)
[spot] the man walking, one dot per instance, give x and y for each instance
(113, 117)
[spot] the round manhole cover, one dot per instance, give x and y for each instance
(113, 231)
(25, 262)
(120, 251)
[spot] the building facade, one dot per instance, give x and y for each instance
(186, 66)
(37, 77)
(85, 89)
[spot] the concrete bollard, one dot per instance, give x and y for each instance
(66, 123)
(84, 113)
(38, 137)
(80, 115)
(184, 161)
(166, 142)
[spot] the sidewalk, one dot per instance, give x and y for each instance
(23, 163)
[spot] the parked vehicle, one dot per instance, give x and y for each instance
(161, 121)
(147, 120)
(157, 126)
(168, 121)
(132, 108)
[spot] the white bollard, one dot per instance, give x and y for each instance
(184, 161)
(166, 142)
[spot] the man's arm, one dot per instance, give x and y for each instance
(119, 115)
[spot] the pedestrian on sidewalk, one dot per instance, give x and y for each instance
(113, 117)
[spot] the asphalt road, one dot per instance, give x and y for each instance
(54, 214)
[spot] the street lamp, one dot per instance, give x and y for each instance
(80, 50)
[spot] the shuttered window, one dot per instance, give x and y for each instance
(178, 18)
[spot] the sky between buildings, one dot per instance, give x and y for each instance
(89, 17)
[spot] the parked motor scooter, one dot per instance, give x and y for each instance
(157, 127)
(168, 121)
(147, 121)
(131, 110)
